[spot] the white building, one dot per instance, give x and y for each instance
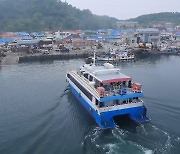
(127, 24)
(61, 35)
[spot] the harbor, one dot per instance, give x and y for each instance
(38, 113)
(110, 44)
(89, 77)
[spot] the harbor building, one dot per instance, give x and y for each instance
(148, 35)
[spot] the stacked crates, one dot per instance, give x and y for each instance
(137, 87)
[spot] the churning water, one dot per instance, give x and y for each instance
(39, 116)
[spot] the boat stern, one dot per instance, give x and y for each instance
(137, 114)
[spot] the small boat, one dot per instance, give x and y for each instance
(106, 93)
(125, 55)
(28, 41)
(107, 57)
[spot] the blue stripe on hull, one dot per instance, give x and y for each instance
(121, 97)
(105, 119)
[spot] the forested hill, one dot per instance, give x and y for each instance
(36, 15)
(164, 17)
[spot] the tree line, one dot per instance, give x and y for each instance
(42, 15)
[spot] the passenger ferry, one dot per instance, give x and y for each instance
(106, 93)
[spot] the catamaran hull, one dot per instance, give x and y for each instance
(105, 119)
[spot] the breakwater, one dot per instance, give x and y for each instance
(60, 56)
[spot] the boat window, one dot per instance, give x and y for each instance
(82, 72)
(68, 75)
(97, 102)
(116, 102)
(88, 94)
(129, 84)
(120, 102)
(130, 100)
(90, 78)
(97, 83)
(101, 104)
(106, 87)
(124, 83)
(110, 103)
(124, 102)
(86, 75)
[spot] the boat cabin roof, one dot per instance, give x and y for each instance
(112, 77)
(106, 74)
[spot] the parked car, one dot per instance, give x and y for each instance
(57, 50)
(45, 52)
(76, 48)
(64, 50)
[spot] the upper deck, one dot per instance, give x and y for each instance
(109, 82)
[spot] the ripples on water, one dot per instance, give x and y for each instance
(38, 115)
(146, 139)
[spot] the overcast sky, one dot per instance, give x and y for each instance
(125, 9)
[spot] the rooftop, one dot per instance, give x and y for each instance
(147, 30)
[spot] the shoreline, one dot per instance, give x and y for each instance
(59, 56)
(14, 58)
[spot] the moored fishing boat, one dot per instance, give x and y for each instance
(107, 93)
(125, 55)
(106, 58)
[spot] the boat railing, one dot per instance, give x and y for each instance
(120, 105)
(86, 82)
(118, 90)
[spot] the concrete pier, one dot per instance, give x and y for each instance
(58, 56)
(9, 59)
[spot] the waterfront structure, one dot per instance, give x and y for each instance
(169, 27)
(148, 35)
(78, 43)
(167, 36)
(106, 94)
(160, 27)
(6, 37)
(61, 35)
(177, 35)
(127, 24)
(38, 35)
(177, 27)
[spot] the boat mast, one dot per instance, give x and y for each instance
(94, 60)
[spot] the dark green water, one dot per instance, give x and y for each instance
(38, 117)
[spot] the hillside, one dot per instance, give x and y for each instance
(157, 18)
(36, 15)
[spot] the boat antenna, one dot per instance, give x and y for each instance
(94, 60)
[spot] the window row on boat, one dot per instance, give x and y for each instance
(86, 92)
(118, 102)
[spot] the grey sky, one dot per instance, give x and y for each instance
(125, 9)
